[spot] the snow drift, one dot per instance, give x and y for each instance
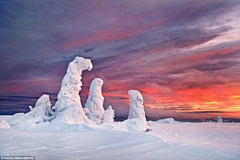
(40, 113)
(4, 124)
(166, 120)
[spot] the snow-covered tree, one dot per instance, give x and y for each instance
(219, 119)
(108, 116)
(94, 105)
(71, 84)
(42, 110)
(68, 107)
(40, 113)
(136, 107)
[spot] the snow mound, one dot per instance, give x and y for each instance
(166, 120)
(42, 110)
(16, 118)
(94, 105)
(72, 115)
(4, 124)
(40, 113)
(134, 124)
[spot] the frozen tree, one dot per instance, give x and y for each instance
(108, 115)
(68, 107)
(219, 119)
(40, 113)
(136, 107)
(94, 105)
(42, 110)
(71, 84)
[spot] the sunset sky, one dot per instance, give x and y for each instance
(183, 56)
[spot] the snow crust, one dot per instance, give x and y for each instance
(108, 116)
(94, 105)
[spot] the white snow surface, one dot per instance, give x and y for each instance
(182, 141)
(94, 105)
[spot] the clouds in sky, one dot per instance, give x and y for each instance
(183, 56)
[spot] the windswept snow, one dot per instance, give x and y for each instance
(182, 141)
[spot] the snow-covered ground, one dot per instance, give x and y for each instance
(166, 141)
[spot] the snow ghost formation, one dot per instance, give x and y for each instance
(40, 113)
(71, 84)
(68, 107)
(219, 119)
(108, 116)
(136, 107)
(94, 105)
(42, 110)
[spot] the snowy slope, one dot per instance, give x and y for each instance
(165, 141)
